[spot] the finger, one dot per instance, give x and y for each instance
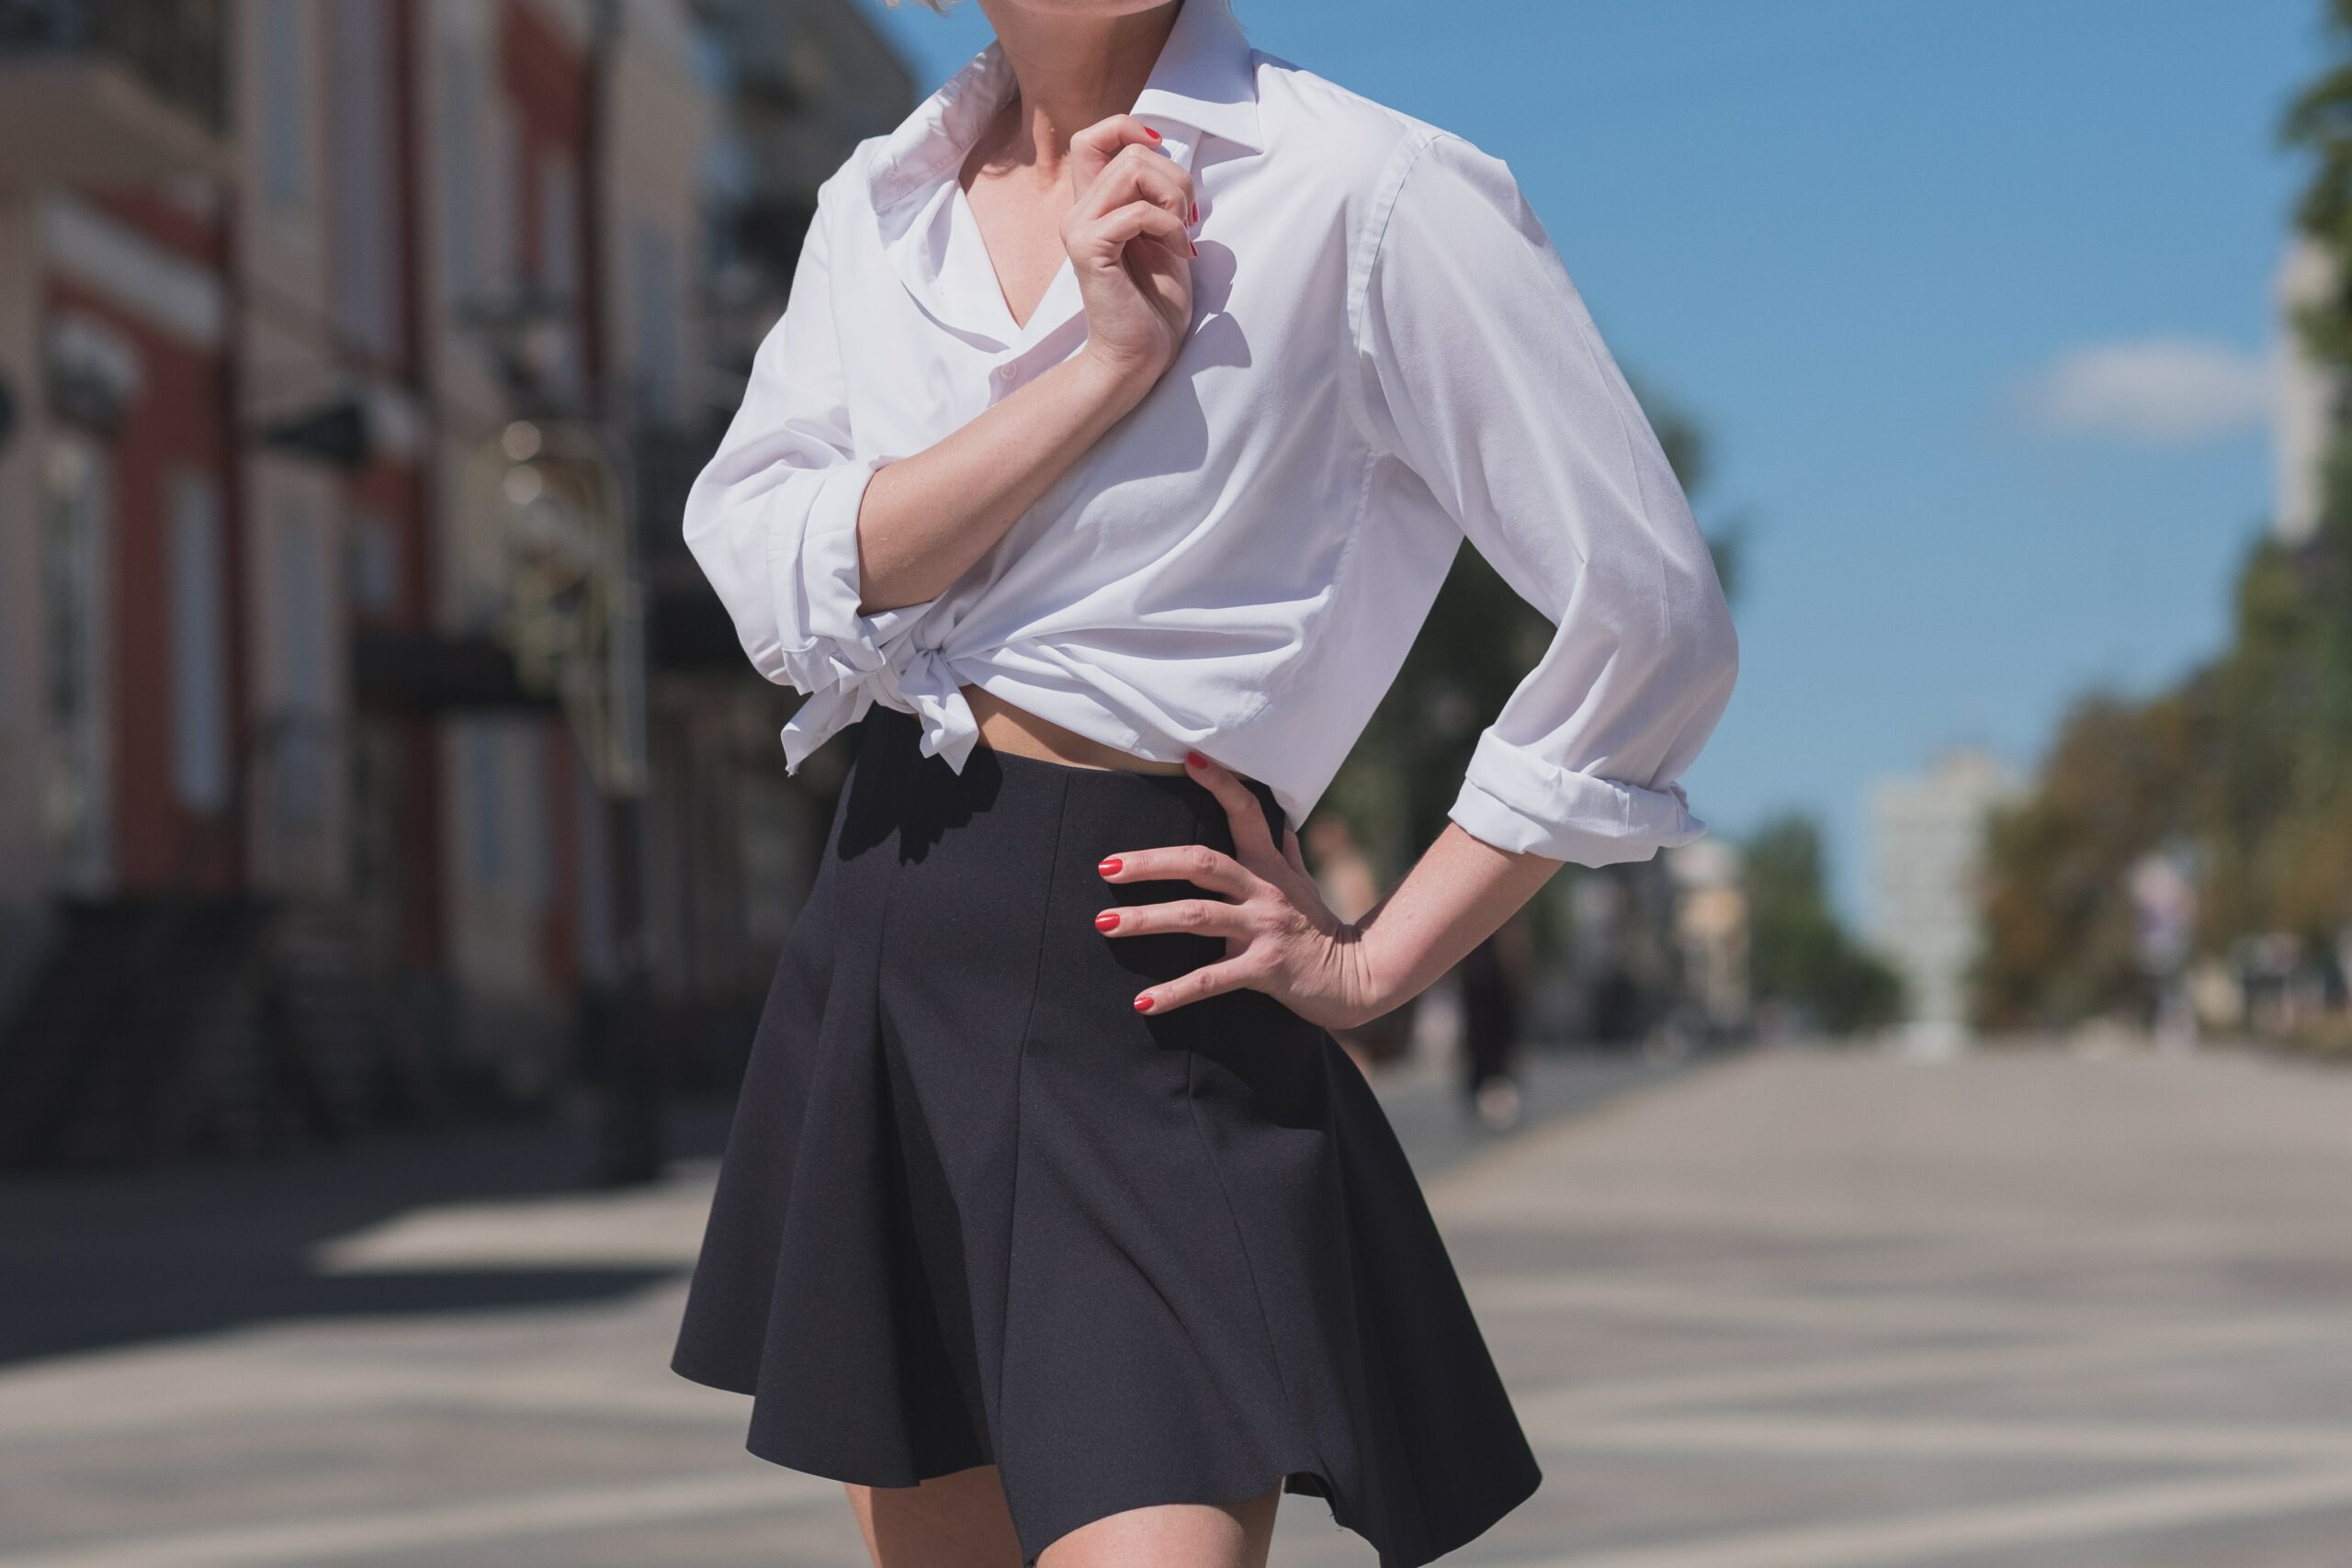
(1211, 916)
(1199, 864)
(1138, 174)
(1091, 150)
(1292, 853)
(1208, 980)
(1106, 237)
(1252, 835)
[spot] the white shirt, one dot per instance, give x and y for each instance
(1387, 357)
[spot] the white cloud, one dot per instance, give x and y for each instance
(2165, 392)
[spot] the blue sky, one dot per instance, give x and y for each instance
(1972, 301)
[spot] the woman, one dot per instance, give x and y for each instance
(1132, 396)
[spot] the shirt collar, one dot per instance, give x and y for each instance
(1205, 80)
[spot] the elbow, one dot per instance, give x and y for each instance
(1707, 638)
(1723, 651)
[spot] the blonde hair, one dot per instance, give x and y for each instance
(941, 5)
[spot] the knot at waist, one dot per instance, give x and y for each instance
(913, 680)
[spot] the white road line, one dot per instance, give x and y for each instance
(300, 1542)
(1566, 1402)
(2060, 1439)
(1911, 1537)
(1703, 1303)
(59, 1408)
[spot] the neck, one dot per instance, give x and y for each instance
(1070, 70)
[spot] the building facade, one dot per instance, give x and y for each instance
(352, 358)
(1927, 842)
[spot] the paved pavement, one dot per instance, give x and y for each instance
(1795, 1309)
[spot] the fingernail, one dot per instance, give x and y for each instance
(1196, 250)
(1153, 134)
(1194, 760)
(1143, 1004)
(1107, 920)
(1196, 213)
(1110, 867)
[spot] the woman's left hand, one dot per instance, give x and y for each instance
(1280, 936)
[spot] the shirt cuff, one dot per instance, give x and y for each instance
(818, 589)
(1516, 800)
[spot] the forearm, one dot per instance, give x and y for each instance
(1458, 893)
(926, 518)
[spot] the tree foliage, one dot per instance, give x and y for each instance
(1798, 956)
(2248, 763)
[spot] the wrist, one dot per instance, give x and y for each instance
(1113, 381)
(1373, 987)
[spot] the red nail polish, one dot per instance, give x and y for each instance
(1153, 134)
(1196, 213)
(1110, 867)
(1107, 920)
(1196, 760)
(1196, 250)
(1143, 1004)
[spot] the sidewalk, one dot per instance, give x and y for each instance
(1798, 1310)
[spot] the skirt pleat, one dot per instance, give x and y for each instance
(975, 1209)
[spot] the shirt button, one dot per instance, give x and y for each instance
(1006, 372)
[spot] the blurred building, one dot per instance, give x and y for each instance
(2307, 398)
(796, 85)
(353, 718)
(1926, 840)
(1711, 928)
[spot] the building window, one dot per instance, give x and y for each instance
(485, 805)
(461, 146)
(305, 675)
(558, 229)
(286, 139)
(360, 184)
(372, 564)
(561, 270)
(502, 258)
(200, 672)
(655, 281)
(77, 790)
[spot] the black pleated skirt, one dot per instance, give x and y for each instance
(976, 1209)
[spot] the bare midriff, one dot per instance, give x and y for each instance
(1009, 728)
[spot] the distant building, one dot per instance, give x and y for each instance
(2308, 397)
(279, 281)
(1711, 929)
(120, 545)
(1926, 840)
(801, 82)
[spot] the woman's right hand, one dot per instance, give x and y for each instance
(1128, 238)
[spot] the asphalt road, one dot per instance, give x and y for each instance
(1797, 1309)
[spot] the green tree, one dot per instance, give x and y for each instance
(1799, 956)
(2248, 761)
(2060, 934)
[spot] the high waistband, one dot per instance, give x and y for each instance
(898, 734)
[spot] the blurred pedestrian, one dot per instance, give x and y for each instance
(1099, 443)
(1494, 976)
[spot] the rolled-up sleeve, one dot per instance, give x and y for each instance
(1486, 371)
(772, 519)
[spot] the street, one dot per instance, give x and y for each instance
(1794, 1309)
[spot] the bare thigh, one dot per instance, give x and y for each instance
(949, 1521)
(1175, 1535)
(960, 1521)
